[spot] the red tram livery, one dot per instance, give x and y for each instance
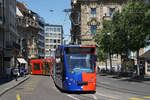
(41, 66)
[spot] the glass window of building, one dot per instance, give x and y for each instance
(93, 12)
(54, 41)
(111, 11)
(47, 29)
(50, 40)
(54, 46)
(51, 29)
(58, 41)
(46, 34)
(54, 29)
(47, 40)
(50, 34)
(93, 29)
(58, 29)
(60, 36)
(47, 46)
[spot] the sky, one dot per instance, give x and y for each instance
(57, 17)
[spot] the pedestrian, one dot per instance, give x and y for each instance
(16, 73)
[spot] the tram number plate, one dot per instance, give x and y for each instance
(82, 83)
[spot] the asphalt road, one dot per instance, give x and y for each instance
(43, 88)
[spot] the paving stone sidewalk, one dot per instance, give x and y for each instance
(11, 84)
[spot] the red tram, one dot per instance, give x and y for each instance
(41, 66)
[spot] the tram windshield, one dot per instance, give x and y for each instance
(78, 63)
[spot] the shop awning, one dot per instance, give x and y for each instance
(22, 60)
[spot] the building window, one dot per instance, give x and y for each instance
(47, 46)
(54, 46)
(54, 41)
(47, 40)
(93, 12)
(58, 29)
(111, 11)
(55, 29)
(93, 29)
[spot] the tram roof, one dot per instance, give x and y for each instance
(63, 46)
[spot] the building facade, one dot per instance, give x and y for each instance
(31, 29)
(10, 36)
(87, 17)
(53, 39)
(1, 35)
(41, 37)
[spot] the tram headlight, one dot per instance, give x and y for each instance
(66, 78)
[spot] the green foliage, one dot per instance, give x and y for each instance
(133, 18)
(102, 56)
(129, 29)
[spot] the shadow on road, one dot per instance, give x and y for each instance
(4, 79)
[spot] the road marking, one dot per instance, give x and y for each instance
(112, 97)
(146, 97)
(95, 98)
(133, 98)
(105, 82)
(73, 97)
(18, 96)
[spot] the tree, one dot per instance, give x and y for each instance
(102, 56)
(104, 40)
(135, 17)
(129, 29)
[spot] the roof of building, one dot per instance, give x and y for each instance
(22, 6)
(53, 25)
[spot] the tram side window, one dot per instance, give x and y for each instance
(59, 66)
(47, 67)
(36, 66)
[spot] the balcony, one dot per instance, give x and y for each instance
(107, 17)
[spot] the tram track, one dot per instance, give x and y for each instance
(119, 89)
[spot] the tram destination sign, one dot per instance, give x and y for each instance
(70, 50)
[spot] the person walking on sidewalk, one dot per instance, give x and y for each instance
(15, 73)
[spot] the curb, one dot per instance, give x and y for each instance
(136, 80)
(13, 86)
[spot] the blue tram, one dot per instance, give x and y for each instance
(75, 68)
